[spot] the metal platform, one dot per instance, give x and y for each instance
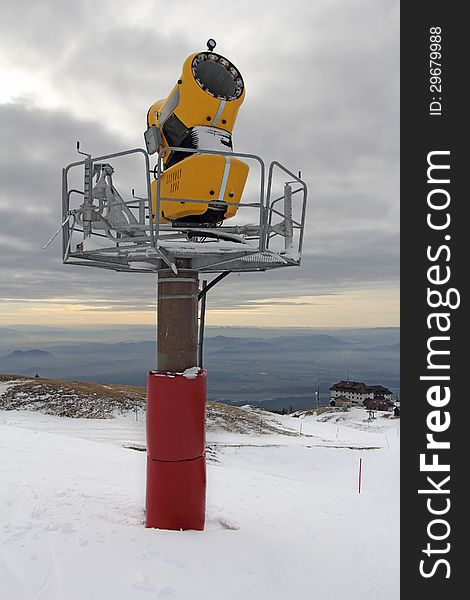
(102, 229)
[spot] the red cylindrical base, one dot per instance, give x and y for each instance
(176, 470)
(176, 494)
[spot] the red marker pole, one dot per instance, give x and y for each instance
(360, 474)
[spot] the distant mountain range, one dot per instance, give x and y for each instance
(269, 367)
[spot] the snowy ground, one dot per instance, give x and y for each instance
(284, 517)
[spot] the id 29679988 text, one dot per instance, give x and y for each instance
(435, 71)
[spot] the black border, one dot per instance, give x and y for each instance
(422, 133)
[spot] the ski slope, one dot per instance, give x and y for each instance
(284, 517)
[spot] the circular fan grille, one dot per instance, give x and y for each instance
(217, 76)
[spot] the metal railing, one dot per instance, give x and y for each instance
(88, 164)
(288, 218)
(149, 232)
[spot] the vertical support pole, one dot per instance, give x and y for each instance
(65, 211)
(202, 323)
(87, 197)
(177, 308)
(176, 464)
(288, 225)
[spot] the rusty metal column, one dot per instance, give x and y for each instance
(176, 401)
(177, 310)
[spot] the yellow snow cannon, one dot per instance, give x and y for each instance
(199, 113)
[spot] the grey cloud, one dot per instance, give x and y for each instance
(118, 308)
(322, 98)
(260, 303)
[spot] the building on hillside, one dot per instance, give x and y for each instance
(340, 401)
(358, 393)
(378, 404)
(380, 392)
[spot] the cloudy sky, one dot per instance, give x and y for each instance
(322, 91)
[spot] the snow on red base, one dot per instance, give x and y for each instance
(284, 520)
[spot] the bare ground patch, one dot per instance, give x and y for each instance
(104, 401)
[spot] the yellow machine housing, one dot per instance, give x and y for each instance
(200, 177)
(199, 113)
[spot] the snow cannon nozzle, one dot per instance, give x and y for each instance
(211, 44)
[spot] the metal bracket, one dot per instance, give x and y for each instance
(153, 139)
(202, 296)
